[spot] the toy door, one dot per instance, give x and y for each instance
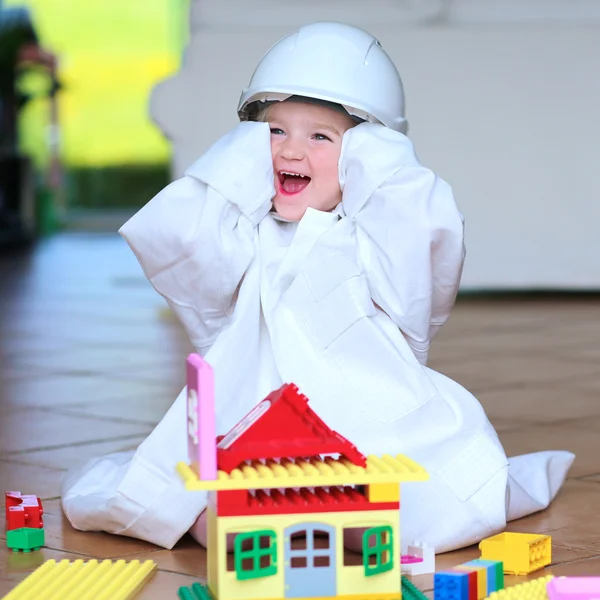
(309, 559)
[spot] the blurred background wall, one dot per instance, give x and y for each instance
(502, 101)
(109, 55)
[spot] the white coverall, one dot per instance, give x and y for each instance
(342, 304)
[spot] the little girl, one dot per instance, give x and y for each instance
(309, 245)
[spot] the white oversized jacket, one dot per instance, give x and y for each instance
(342, 304)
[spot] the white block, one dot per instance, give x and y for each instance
(422, 551)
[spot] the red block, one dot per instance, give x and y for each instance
(23, 511)
(282, 426)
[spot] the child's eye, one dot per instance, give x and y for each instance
(321, 137)
(276, 131)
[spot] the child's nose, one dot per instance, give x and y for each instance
(292, 149)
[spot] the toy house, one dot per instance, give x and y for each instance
(283, 488)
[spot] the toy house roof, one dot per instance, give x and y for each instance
(282, 426)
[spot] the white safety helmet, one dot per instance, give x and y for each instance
(333, 62)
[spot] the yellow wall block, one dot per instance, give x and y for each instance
(351, 581)
(383, 492)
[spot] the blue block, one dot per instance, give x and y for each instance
(493, 570)
(451, 586)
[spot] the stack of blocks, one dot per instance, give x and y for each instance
(473, 580)
(24, 522)
(511, 553)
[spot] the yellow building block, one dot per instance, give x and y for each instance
(481, 578)
(528, 590)
(350, 579)
(383, 492)
(79, 580)
(521, 553)
(311, 472)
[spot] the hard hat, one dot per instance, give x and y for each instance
(333, 62)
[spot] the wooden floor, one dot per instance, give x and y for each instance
(90, 361)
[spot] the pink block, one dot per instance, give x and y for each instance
(409, 559)
(574, 588)
(202, 440)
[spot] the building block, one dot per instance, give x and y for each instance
(382, 550)
(202, 441)
(535, 589)
(23, 511)
(308, 472)
(454, 585)
(298, 501)
(282, 425)
(574, 588)
(383, 492)
(411, 592)
(196, 591)
(495, 573)
(255, 555)
(418, 559)
(520, 553)
(286, 491)
(79, 580)
(25, 539)
(481, 574)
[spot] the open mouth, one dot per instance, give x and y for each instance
(291, 183)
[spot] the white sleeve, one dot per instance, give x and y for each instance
(195, 239)
(409, 231)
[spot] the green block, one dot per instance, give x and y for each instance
(25, 539)
(499, 575)
(196, 592)
(410, 591)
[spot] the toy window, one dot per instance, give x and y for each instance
(378, 550)
(255, 554)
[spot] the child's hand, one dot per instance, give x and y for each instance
(370, 155)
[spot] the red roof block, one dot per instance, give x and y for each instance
(282, 426)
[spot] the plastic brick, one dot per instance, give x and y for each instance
(79, 580)
(481, 574)
(529, 590)
(202, 441)
(521, 553)
(411, 592)
(236, 503)
(308, 472)
(495, 573)
(25, 539)
(574, 588)
(23, 511)
(418, 560)
(197, 591)
(282, 425)
(448, 585)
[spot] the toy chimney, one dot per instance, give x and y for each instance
(202, 443)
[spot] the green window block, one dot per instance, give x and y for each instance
(255, 554)
(378, 550)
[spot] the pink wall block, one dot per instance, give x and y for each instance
(202, 442)
(574, 588)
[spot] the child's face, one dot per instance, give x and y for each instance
(306, 141)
